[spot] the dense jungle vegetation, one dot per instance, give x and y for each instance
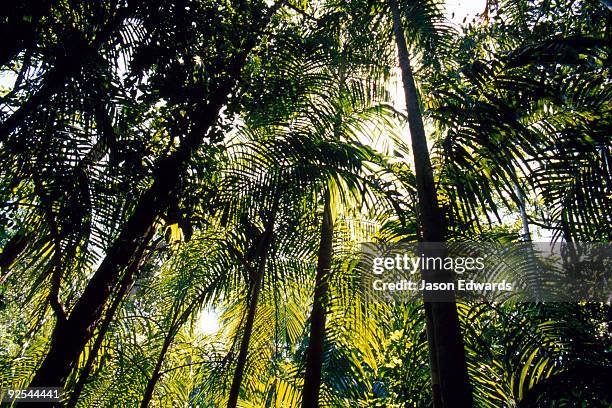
(185, 185)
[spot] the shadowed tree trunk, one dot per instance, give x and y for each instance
(175, 326)
(315, 350)
(70, 336)
(445, 341)
(124, 287)
(11, 251)
(433, 362)
(263, 251)
(178, 320)
(108, 318)
(523, 213)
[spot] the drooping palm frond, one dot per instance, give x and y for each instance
(541, 142)
(104, 92)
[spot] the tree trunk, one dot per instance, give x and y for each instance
(315, 351)
(124, 287)
(84, 374)
(262, 253)
(70, 337)
(523, 212)
(11, 251)
(155, 376)
(433, 361)
(177, 321)
(443, 327)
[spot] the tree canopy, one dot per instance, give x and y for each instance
(186, 185)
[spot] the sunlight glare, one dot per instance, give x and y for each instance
(208, 322)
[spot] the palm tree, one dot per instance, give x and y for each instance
(71, 334)
(302, 163)
(350, 55)
(256, 274)
(173, 170)
(449, 371)
(316, 339)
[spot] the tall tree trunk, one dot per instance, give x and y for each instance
(434, 374)
(155, 376)
(124, 287)
(69, 338)
(523, 212)
(315, 351)
(177, 321)
(108, 318)
(443, 327)
(262, 253)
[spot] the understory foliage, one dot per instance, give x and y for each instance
(256, 117)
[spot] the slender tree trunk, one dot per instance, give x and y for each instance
(84, 374)
(316, 340)
(177, 321)
(69, 338)
(315, 351)
(155, 376)
(11, 251)
(244, 344)
(443, 327)
(523, 212)
(262, 254)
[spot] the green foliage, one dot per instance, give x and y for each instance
(517, 104)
